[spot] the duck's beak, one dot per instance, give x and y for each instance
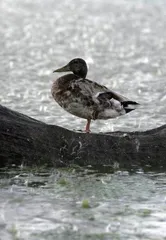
(63, 69)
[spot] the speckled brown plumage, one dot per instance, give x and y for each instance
(85, 98)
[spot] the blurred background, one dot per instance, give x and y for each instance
(123, 42)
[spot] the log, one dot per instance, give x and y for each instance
(24, 140)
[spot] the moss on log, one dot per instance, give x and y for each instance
(24, 140)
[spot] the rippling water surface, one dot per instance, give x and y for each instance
(124, 44)
(49, 205)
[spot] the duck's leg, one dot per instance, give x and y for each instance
(87, 129)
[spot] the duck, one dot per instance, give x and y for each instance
(85, 98)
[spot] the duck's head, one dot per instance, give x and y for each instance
(78, 66)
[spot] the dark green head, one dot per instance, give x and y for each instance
(77, 66)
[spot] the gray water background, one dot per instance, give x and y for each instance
(124, 44)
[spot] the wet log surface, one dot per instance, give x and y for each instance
(24, 140)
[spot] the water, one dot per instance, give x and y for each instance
(124, 44)
(48, 205)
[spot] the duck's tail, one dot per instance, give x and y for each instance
(129, 105)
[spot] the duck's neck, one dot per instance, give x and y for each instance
(81, 73)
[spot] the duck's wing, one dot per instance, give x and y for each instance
(110, 99)
(100, 92)
(114, 104)
(88, 87)
(109, 94)
(88, 99)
